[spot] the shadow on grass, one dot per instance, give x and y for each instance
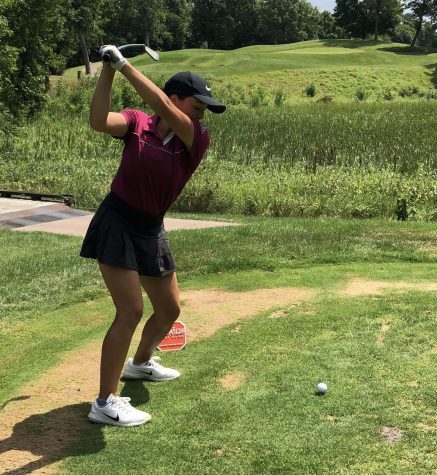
(136, 390)
(351, 43)
(409, 51)
(433, 73)
(49, 437)
(43, 439)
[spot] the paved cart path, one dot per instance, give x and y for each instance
(27, 215)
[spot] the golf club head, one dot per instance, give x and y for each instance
(153, 54)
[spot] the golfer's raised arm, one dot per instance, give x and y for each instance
(101, 119)
(161, 104)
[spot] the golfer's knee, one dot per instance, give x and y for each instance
(130, 317)
(171, 313)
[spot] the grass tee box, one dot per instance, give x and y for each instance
(246, 400)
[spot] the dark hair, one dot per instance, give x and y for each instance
(180, 96)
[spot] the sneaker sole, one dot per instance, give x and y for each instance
(136, 376)
(95, 420)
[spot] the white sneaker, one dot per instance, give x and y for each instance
(151, 370)
(117, 412)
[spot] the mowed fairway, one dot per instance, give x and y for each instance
(336, 67)
(362, 319)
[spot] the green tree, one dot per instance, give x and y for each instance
(8, 58)
(404, 32)
(350, 16)
(122, 19)
(328, 27)
(288, 21)
(421, 9)
(246, 16)
(85, 21)
(177, 24)
(212, 24)
(134, 21)
(150, 25)
(361, 18)
(37, 27)
(429, 35)
(383, 14)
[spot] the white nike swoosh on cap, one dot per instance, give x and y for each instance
(208, 88)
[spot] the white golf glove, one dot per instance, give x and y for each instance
(117, 59)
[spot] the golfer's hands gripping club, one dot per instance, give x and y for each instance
(111, 54)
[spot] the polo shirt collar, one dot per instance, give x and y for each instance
(152, 126)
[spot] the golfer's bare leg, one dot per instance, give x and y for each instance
(124, 286)
(163, 293)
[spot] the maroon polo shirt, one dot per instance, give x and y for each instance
(152, 171)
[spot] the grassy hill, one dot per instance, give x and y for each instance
(335, 67)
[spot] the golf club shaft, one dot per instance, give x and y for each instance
(153, 54)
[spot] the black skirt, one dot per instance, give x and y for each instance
(121, 236)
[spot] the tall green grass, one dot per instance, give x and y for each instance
(345, 160)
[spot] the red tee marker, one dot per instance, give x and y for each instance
(176, 338)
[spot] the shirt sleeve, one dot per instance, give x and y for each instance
(133, 118)
(200, 145)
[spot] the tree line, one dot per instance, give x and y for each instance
(43, 37)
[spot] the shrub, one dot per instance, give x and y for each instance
(258, 98)
(387, 95)
(428, 94)
(279, 98)
(310, 90)
(361, 95)
(403, 34)
(409, 91)
(326, 99)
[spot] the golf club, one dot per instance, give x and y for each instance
(153, 54)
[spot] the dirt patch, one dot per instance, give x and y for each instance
(380, 339)
(50, 412)
(357, 287)
(232, 381)
(307, 313)
(279, 314)
(206, 311)
(392, 435)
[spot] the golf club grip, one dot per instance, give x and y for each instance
(106, 58)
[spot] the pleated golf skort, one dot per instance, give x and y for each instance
(121, 236)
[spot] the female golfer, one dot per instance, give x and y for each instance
(127, 235)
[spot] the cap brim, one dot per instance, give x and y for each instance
(212, 104)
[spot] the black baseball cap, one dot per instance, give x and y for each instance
(189, 84)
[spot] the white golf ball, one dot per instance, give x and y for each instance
(322, 388)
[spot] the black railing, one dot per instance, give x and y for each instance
(26, 195)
